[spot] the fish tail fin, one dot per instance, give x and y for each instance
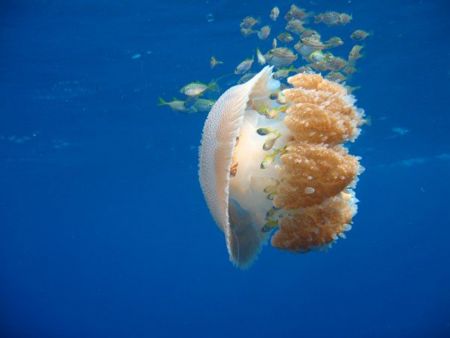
(367, 121)
(216, 60)
(213, 86)
(162, 102)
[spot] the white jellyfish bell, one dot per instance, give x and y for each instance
(272, 161)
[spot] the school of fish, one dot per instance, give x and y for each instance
(296, 47)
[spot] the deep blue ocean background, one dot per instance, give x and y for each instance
(103, 228)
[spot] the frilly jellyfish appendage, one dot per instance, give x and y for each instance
(273, 161)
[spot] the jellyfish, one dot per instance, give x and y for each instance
(273, 165)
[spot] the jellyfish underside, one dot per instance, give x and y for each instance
(290, 174)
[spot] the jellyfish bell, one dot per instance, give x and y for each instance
(272, 163)
(220, 136)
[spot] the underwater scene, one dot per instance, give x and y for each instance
(222, 168)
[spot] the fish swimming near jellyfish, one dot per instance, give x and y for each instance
(195, 89)
(355, 53)
(201, 105)
(295, 26)
(260, 57)
(359, 35)
(248, 22)
(296, 13)
(175, 104)
(333, 42)
(284, 177)
(244, 66)
(264, 32)
(214, 62)
(280, 57)
(274, 13)
(285, 37)
(332, 18)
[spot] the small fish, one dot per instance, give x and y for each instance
(269, 226)
(310, 33)
(267, 161)
(304, 50)
(298, 47)
(333, 18)
(175, 104)
(336, 77)
(335, 63)
(295, 26)
(195, 89)
(246, 32)
(359, 35)
(273, 211)
(281, 98)
(320, 66)
(275, 112)
(285, 37)
(264, 32)
(316, 56)
(296, 13)
(284, 72)
(270, 113)
(246, 77)
(355, 53)
(333, 42)
(305, 69)
(349, 69)
(213, 62)
(280, 57)
(345, 18)
(244, 66)
(270, 142)
(328, 18)
(329, 63)
(313, 42)
(260, 57)
(263, 131)
(270, 158)
(248, 22)
(274, 13)
(202, 105)
(274, 43)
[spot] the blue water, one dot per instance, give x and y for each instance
(103, 228)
